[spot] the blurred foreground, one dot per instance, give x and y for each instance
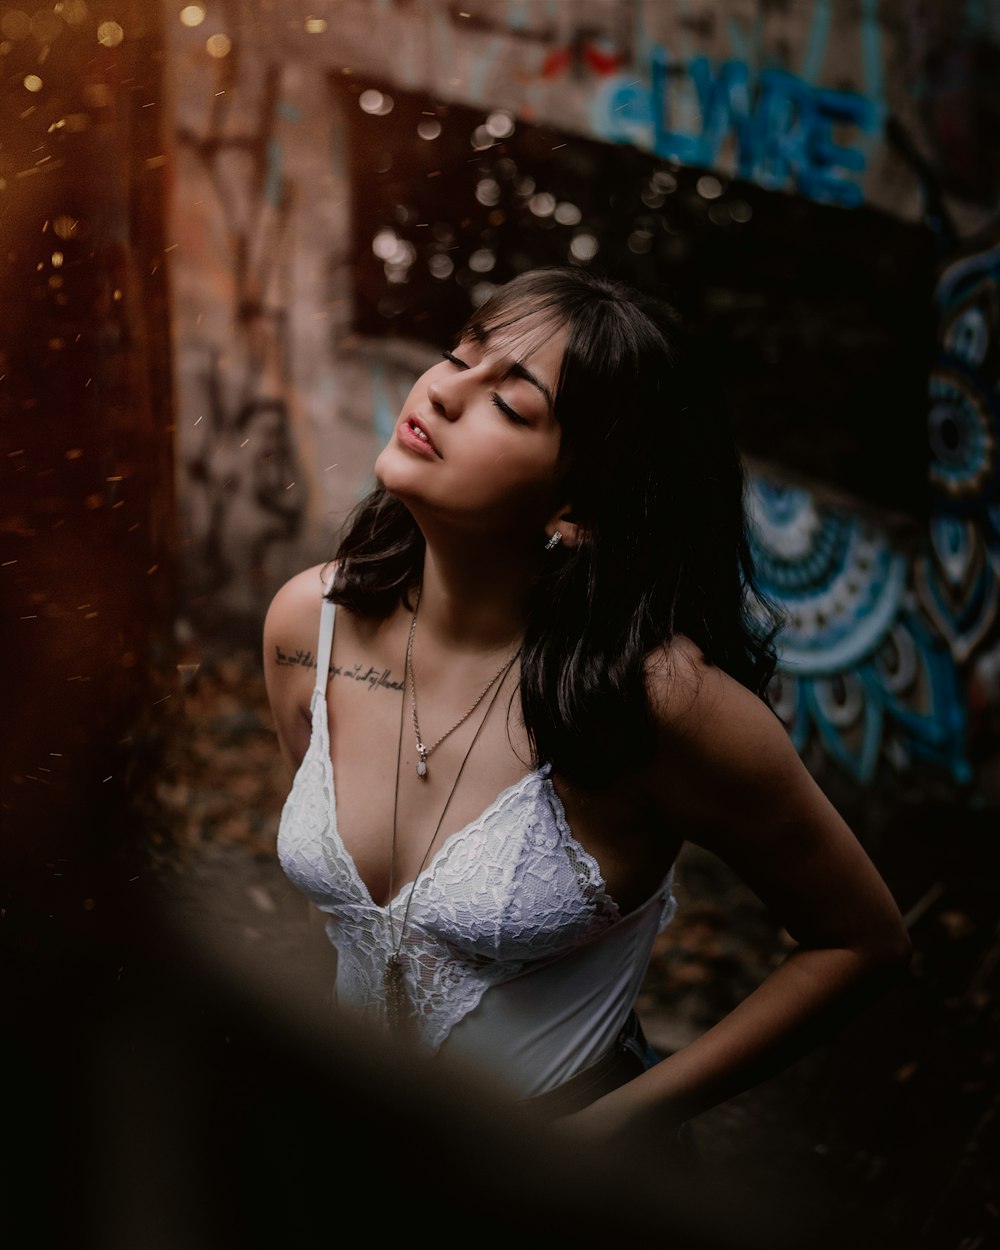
(181, 1079)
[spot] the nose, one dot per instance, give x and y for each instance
(445, 395)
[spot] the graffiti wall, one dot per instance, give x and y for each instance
(815, 185)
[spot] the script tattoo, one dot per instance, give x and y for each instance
(374, 678)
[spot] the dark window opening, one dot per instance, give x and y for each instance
(819, 316)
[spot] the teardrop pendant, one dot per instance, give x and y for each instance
(397, 1002)
(421, 768)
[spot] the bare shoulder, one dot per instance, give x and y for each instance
(726, 773)
(689, 694)
(674, 678)
(291, 630)
(720, 749)
(296, 604)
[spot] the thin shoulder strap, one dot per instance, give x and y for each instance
(325, 644)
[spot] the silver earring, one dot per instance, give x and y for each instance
(554, 541)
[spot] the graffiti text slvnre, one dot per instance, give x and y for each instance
(780, 125)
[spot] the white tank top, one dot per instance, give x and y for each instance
(515, 957)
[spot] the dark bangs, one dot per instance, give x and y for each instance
(619, 349)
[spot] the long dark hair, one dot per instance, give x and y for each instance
(655, 478)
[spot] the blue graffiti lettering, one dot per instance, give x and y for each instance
(781, 126)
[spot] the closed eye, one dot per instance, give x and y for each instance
(507, 410)
(499, 403)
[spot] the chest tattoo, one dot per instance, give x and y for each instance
(374, 678)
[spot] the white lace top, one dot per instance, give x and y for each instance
(511, 900)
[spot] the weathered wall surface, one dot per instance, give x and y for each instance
(303, 289)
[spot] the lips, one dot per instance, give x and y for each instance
(415, 434)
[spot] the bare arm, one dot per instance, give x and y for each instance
(726, 771)
(289, 644)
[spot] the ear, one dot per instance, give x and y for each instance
(571, 531)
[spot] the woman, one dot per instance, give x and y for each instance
(548, 671)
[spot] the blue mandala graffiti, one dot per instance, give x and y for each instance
(838, 581)
(856, 664)
(956, 578)
(962, 435)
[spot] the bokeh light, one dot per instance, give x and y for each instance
(375, 102)
(384, 244)
(65, 227)
(218, 46)
(543, 204)
(482, 260)
(440, 266)
(500, 125)
(584, 246)
(488, 191)
(192, 15)
(110, 34)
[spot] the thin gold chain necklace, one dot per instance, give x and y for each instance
(424, 751)
(398, 1007)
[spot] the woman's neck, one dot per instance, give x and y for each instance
(474, 598)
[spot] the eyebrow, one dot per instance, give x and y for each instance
(516, 369)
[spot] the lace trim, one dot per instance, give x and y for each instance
(450, 965)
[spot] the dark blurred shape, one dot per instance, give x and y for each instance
(213, 1106)
(87, 539)
(87, 534)
(960, 103)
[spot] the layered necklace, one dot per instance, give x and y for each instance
(398, 1008)
(423, 752)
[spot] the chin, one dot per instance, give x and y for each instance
(394, 476)
(386, 468)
